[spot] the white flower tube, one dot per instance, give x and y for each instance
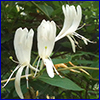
(71, 24)
(46, 34)
(22, 44)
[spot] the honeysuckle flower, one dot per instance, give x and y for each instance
(46, 34)
(22, 45)
(71, 23)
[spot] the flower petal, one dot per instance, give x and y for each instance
(17, 82)
(55, 68)
(49, 67)
(46, 34)
(73, 20)
(23, 44)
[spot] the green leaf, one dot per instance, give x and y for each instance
(47, 9)
(58, 61)
(60, 82)
(56, 3)
(85, 53)
(84, 62)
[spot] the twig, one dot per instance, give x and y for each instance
(3, 81)
(78, 67)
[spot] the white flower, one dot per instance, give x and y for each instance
(71, 23)
(46, 34)
(22, 45)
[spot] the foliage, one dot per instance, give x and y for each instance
(30, 14)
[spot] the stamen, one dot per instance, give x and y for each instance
(81, 26)
(11, 70)
(37, 67)
(26, 73)
(83, 38)
(10, 76)
(27, 87)
(11, 58)
(76, 42)
(41, 66)
(33, 68)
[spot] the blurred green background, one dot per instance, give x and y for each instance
(15, 14)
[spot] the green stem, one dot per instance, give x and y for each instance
(78, 67)
(35, 60)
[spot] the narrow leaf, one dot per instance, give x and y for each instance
(60, 82)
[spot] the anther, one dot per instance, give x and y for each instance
(1, 86)
(81, 26)
(27, 87)
(63, 77)
(11, 58)
(11, 70)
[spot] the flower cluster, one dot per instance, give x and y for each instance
(46, 38)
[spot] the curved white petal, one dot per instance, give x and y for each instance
(72, 43)
(11, 76)
(49, 67)
(46, 34)
(23, 44)
(76, 21)
(28, 45)
(17, 82)
(71, 22)
(55, 68)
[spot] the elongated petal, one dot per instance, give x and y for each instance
(46, 34)
(72, 43)
(28, 44)
(23, 44)
(17, 82)
(11, 75)
(73, 21)
(55, 68)
(49, 67)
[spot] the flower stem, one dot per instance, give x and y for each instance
(35, 60)
(77, 67)
(24, 76)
